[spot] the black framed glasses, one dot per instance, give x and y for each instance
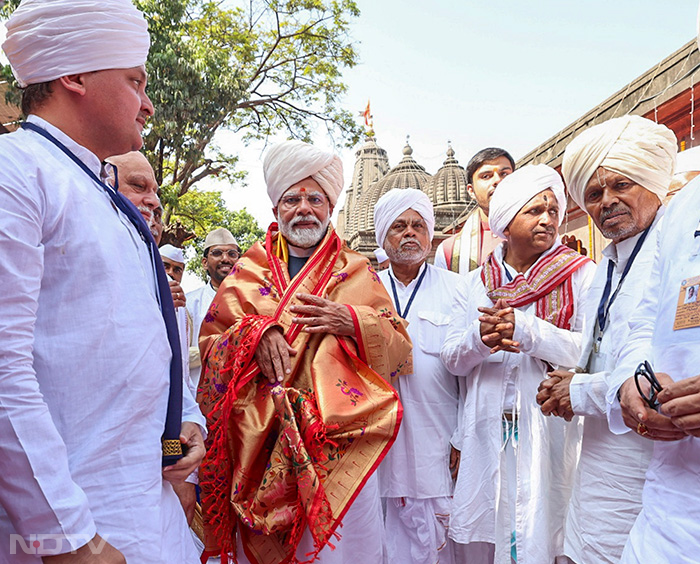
(644, 370)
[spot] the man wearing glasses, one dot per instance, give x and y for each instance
(618, 172)
(221, 252)
(298, 349)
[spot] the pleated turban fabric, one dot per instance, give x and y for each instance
(396, 201)
(289, 162)
(48, 39)
(517, 189)
(633, 146)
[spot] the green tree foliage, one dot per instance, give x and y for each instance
(255, 68)
(198, 213)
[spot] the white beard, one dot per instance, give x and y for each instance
(307, 237)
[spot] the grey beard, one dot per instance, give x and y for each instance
(406, 256)
(303, 238)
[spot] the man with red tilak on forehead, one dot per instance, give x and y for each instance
(298, 348)
(514, 319)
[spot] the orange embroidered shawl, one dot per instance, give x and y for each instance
(283, 457)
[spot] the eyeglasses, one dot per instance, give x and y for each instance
(314, 199)
(217, 253)
(645, 371)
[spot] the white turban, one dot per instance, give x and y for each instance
(172, 253)
(392, 204)
(48, 39)
(633, 146)
(517, 189)
(380, 255)
(287, 163)
(688, 161)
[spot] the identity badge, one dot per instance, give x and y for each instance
(688, 308)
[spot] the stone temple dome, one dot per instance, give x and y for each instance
(372, 179)
(407, 174)
(371, 164)
(447, 189)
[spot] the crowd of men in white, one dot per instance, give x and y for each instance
(553, 410)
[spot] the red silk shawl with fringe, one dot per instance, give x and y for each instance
(283, 457)
(548, 283)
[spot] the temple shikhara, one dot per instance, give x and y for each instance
(668, 93)
(373, 177)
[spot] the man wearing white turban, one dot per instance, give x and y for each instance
(515, 319)
(663, 331)
(91, 378)
(607, 494)
(298, 348)
(415, 478)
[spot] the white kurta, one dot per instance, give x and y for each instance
(418, 463)
(546, 449)
(417, 466)
(198, 302)
(607, 494)
(84, 374)
(668, 527)
(476, 242)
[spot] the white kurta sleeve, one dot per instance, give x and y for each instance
(541, 339)
(36, 487)
(191, 411)
(638, 348)
(463, 348)
(587, 393)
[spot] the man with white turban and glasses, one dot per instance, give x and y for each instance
(516, 318)
(415, 477)
(91, 394)
(619, 172)
(298, 349)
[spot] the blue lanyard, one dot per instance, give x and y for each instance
(413, 294)
(174, 413)
(605, 304)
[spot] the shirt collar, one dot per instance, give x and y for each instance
(85, 155)
(413, 282)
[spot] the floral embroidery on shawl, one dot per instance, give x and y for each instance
(281, 457)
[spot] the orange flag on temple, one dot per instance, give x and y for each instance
(366, 115)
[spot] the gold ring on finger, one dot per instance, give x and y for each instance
(642, 429)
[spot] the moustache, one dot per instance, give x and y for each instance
(616, 209)
(305, 219)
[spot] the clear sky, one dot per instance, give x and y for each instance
(508, 73)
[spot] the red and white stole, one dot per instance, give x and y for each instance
(548, 284)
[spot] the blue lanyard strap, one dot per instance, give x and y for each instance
(605, 304)
(413, 294)
(171, 434)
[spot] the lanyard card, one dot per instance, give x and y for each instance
(688, 308)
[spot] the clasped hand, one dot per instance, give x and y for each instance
(497, 327)
(679, 412)
(553, 394)
(316, 315)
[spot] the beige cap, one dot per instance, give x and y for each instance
(220, 236)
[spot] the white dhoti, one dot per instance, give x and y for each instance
(418, 530)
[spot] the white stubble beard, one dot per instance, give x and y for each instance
(402, 256)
